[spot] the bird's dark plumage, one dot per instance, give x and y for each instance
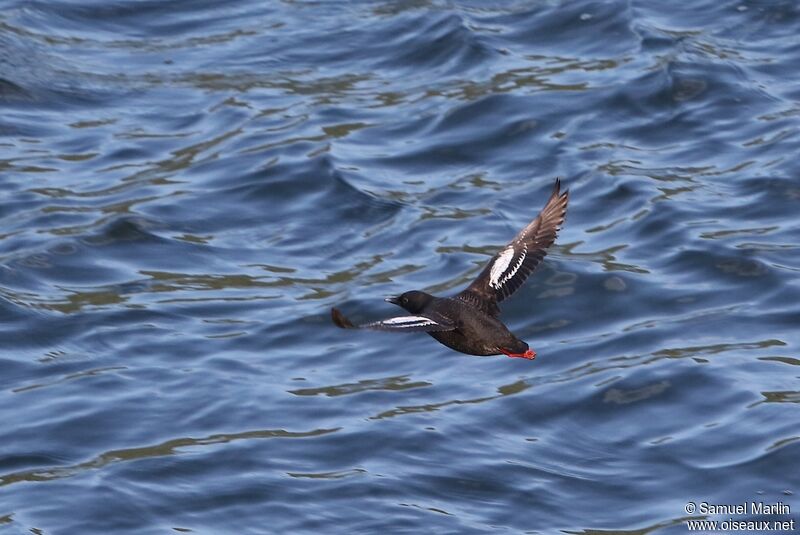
(467, 322)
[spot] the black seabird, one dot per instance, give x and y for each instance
(467, 322)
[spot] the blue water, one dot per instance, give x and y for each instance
(188, 187)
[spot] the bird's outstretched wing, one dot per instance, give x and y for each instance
(508, 269)
(409, 323)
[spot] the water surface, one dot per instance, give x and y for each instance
(188, 187)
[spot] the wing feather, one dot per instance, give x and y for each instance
(409, 323)
(508, 269)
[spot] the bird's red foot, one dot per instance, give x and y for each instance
(530, 354)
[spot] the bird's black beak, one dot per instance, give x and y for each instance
(393, 299)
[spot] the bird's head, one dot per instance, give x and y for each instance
(414, 301)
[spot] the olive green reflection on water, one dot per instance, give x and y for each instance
(170, 447)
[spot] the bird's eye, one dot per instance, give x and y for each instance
(404, 300)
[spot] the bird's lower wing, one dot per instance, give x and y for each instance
(508, 269)
(410, 323)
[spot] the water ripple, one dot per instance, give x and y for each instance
(189, 187)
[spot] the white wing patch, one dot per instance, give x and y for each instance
(501, 272)
(409, 321)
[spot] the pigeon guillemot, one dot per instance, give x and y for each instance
(467, 322)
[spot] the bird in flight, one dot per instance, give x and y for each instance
(468, 321)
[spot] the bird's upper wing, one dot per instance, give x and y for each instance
(508, 269)
(409, 323)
